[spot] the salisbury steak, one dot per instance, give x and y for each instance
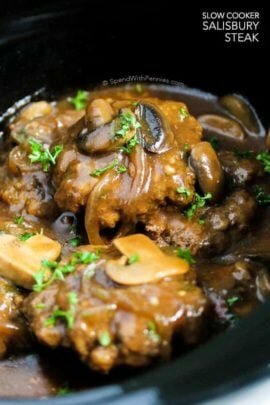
(109, 324)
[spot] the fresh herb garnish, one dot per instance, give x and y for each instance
(102, 170)
(139, 88)
(104, 339)
(133, 258)
(232, 300)
(42, 154)
(187, 147)
(113, 165)
(198, 202)
(63, 391)
(80, 100)
(201, 221)
(125, 123)
(58, 272)
(84, 257)
(264, 157)
(121, 169)
(151, 331)
(130, 145)
(183, 113)
(76, 241)
(68, 315)
(18, 220)
(25, 236)
(186, 255)
(184, 191)
(262, 197)
(215, 143)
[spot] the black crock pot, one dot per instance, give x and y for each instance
(66, 44)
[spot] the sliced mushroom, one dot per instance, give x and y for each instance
(103, 138)
(156, 135)
(245, 114)
(98, 113)
(19, 260)
(222, 126)
(205, 162)
(151, 266)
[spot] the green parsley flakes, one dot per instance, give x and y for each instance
(183, 113)
(262, 197)
(25, 236)
(43, 155)
(198, 202)
(232, 300)
(113, 165)
(186, 255)
(80, 100)
(68, 316)
(184, 191)
(18, 220)
(133, 258)
(104, 339)
(264, 158)
(151, 332)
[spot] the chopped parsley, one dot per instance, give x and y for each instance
(243, 154)
(58, 272)
(133, 258)
(84, 257)
(102, 170)
(198, 202)
(215, 143)
(232, 300)
(64, 390)
(43, 155)
(25, 236)
(76, 241)
(18, 220)
(262, 197)
(121, 169)
(68, 315)
(264, 157)
(126, 122)
(139, 88)
(105, 339)
(187, 147)
(113, 165)
(201, 221)
(184, 191)
(151, 331)
(80, 100)
(130, 145)
(183, 113)
(186, 255)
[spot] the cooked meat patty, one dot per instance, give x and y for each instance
(211, 230)
(109, 324)
(13, 331)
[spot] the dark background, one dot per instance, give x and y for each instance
(62, 43)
